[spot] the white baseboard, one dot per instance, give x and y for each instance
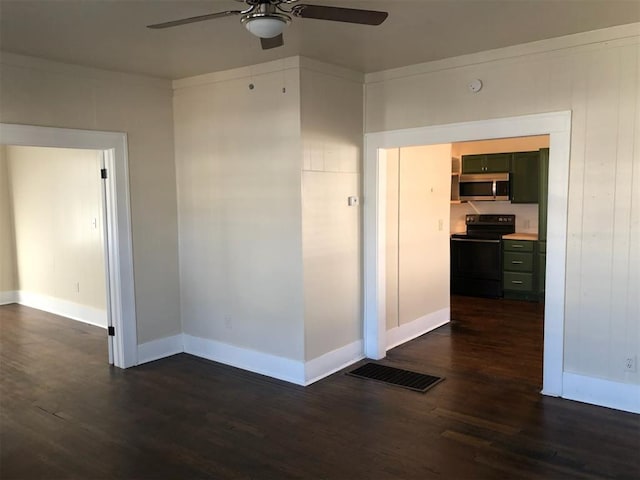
(64, 308)
(8, 296)
(161, 348)
(605, 393)
(408, 331)
(259, 362)
(252, 360)
(331, 362)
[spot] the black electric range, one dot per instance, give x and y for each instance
(476, 256)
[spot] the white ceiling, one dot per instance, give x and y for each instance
(111, 34)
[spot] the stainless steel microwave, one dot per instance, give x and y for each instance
(484, 186)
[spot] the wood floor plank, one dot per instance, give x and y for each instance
(64, 413)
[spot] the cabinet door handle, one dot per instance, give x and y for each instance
(517, 282)
(517, 262)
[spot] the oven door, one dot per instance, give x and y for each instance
(476, 267)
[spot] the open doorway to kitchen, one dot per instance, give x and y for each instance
(557, 126)
(118, 281)
(492, 322)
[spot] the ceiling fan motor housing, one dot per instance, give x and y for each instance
(265, 21)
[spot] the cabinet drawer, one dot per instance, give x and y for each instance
(518, 245)
(518, 261)
(521, 282)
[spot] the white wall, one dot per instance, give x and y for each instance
(331, 120)
(238, 158)
(502, 145)
(418, 188)
(267, 157)
(56, 198)
(392, 236)
(423, 245)
(8, 274)
(39, 92)
(526, 214)
(596, 75)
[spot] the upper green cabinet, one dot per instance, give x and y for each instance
(528, 172)
(486, 163)
(543, 192)
(525, 174)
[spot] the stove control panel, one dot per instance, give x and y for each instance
(483, 219)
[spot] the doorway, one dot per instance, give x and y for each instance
(53, 248)
(119, 259)
(557, 126)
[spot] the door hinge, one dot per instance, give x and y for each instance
(103, 173)
(111, 331)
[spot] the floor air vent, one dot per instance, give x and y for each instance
(417, 382)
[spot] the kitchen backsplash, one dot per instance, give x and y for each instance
(526, 214)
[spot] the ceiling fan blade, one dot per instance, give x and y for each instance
(274, 42)
(339, 14)
(199, 18)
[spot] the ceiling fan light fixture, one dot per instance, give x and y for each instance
(266, 25)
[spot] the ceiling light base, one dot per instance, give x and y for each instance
(266, 25)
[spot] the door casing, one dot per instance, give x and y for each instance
(119, 252)
(555, 124)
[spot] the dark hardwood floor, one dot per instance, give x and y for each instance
(65, 414)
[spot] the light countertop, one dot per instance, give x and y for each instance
(521, 236)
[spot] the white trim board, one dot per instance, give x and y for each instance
(64, 308)
(259, 362)
(558, 126)
(332, 362)
(119, 252)
(425, 324)
(620, 34)
(274, 66)
(605, 393)
(161, 348)
(292, 371)
(8, 296)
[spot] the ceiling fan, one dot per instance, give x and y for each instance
(268, 18)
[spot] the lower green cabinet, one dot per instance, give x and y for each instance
(518, 282)
(542, 268)
(518, 261)
(519, 276)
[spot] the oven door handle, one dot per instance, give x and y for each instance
(481, 240)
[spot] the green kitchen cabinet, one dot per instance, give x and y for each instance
(525, 174)
(519, 276)
(518, 261)
(541, 268)
(543, 194)
(518, 246)
(486, 163)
